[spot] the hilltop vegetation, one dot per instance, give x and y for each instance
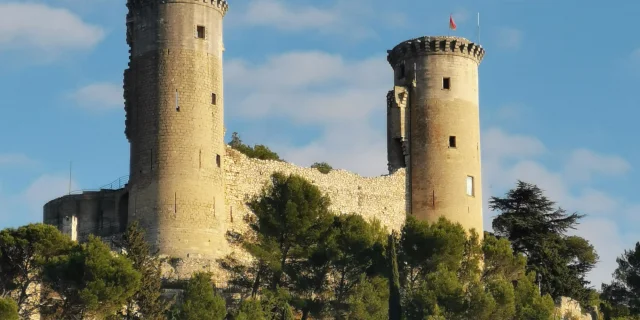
(312, 264)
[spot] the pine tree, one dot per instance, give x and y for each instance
(395, 307)
(148, 300)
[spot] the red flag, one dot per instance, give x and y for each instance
(452, 24)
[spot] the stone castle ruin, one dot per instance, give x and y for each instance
(187, 188)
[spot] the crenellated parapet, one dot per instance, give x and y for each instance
(221, 5)
(435, 45)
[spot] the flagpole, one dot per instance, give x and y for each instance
(478, 27)
(70, 162)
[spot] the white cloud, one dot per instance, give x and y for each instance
(499, 145)
(356, 16)
(38, 26)
(99, 96)
(26, 206)
(583, 164)
(561, 186)
(509, 38)
(277, 14)
(460, 15)
(320, 89)
(15, 159)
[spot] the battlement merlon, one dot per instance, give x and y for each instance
(435, 45)
(220, 5)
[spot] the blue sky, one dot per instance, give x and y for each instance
(557, 91)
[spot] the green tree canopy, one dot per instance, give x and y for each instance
(23, 253)
(622, 296)
(147, 303)
(323, 167)
(258, 151)
(537, 229)
(200, 301)
(8, 309)
(90, 281)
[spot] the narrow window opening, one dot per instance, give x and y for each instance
(177, 101)
(401, 71)
(470, 186)
(201, 32)
(200, 159)
(214, 99)
(452, 141)
(218, 160)
(446, 83)
(151, 160)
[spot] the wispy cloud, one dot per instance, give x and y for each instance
(571, 187)
(349, 18)
(45, 28)
(26, 206)
(99, 96)
(319, 89)
(15, 159)
(509, 38)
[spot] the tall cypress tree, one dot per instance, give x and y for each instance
(395, 306)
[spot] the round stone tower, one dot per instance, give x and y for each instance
(434, 127)
(174, 123)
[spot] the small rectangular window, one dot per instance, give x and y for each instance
(452, 141)
(401, 71)
(218, 161)
(201, 32)
(214, 99)
(446, 83)
(470, 189)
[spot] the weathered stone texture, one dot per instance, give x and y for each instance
(380, 197)
(437, 170)
(102, 213)
(174, 104)
(569, 309)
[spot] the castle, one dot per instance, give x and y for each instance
(187, 188)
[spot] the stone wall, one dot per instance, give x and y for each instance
(569, 309)
(380, 198)
(102, 213)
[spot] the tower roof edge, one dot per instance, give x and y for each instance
(436, 45)
(221, 5)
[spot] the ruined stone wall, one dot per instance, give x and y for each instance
(380, 198)
(102, 213)
(569, 309)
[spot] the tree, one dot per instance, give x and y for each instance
(537, 229)
(292, 218)
(323, 167)
(23, 253)
(395, 305)
(258, 151)
(251, 309)
(530, 304)
(200, 300)
(8, 309)
(369, 300)
(147, 302)
(622, 295)
(89, 282)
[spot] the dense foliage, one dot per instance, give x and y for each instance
(310, 263)
(258, 151)
(621, 298)
(323, 167)
(538, 230)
